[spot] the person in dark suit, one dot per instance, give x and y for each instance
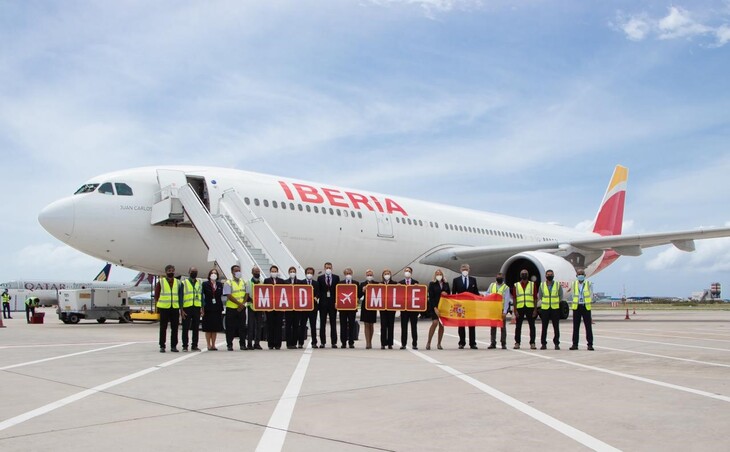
(212, 308)
(327, 283)
(367, 316)
(461, 284)
(347, 318)
(387, 318)
(256, 324)
(291, 318)
(309, 316)
(407, 317)
(274, 319)
(436, 288)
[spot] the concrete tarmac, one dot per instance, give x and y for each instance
(660, 381)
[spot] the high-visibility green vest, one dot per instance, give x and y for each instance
(493, 288)
(6, 298)
(192, 296)
(550, 298)
(29, 301)
(238, 290)
(169, 296)
(587, 295)
(525, 297)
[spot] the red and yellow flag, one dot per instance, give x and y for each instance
(467, 309)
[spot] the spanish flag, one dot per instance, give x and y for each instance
(467, 309)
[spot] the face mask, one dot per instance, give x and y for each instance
(274, 274)
(523, 276)
(257, 276)
(581, 278)
(213, 276)
(170, 275)
(237, 275)
(328, 271)
(369, 278)
(310, 276)
(407, 274)
(194, 275)
(386, 277)
(348, 278)
(550, 278)
(500, 280)
(465, 273)
(292, 275)
(439, 277)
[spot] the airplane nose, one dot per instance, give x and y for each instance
(58, 218)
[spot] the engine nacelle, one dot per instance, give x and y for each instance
(537, 263)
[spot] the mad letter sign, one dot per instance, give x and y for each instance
(395, 297)
(283, 297)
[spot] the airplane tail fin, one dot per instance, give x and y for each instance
(610, 216)
(104, 273)
(140, 278)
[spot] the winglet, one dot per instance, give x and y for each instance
(104, 273)
(611, 214)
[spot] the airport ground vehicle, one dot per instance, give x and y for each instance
(93, 304)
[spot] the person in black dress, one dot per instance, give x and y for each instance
(212, 308)
(367, 316)
(436, 288)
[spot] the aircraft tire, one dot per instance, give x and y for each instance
(101, 320)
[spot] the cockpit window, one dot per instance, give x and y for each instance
(106, 188)
(86, 188)
(123, 189)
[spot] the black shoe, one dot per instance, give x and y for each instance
(243, 347)
(334, 345)
(250, 346)
(473, 347)
(590, 347)
(543, 347)
(352, 345)
(257, 347)
(461, 347)
(230, 348)
(414, 347)
(532, 347)
(390, 347)
(185, 348)
(382, 347)
(402, 347)
(557, 347)
(162, 349)
(321, 346)
(574, 347)
(174, 350)
(343, 346)
(195, 349)
(278, 348)
(492, 346)
(504, 346)
(300, 346)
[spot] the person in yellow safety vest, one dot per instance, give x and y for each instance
(192, 301)
(582, 300)
(234, 291)
(501, 288)
(548, 299)
(6, 304)
(29, 308)
(524, 293)
(168, 293)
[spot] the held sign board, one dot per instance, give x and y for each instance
(346, 297)
(396, 297)
(283, 297)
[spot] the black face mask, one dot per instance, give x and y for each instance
(500, 280)
(171, 275)
(257, 275)
(523, 277)
(193, 275)
(549, 278)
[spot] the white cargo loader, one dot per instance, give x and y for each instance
(93, 304)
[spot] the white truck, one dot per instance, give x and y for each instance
(93, 304)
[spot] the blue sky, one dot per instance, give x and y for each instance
(521, 108)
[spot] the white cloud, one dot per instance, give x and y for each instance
(431, 7)
(710, 256)
(678, 23)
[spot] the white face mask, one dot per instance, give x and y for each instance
(439, 277)
(386, 277)
(310, 276)
(407, 274)
(328, 271)
(213, 276)
(348, 278)
(369, 277)
(237, 275)
(465, 273)
(292, 275)
(274, 274)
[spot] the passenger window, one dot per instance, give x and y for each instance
(332, 211)
(420, 223)
(247, 201)
(291, 206)
(339, 214)
(316, 209)
(106, 188)
(274, 204)
(309, 208)
(301, 209)
(359, 214)
(86, 188)
(256, 201)
(266, 203)
(123, 189)
(283, 205)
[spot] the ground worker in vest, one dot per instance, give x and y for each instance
(582, 299)
(168, 293)
(524, 293)
(501, 288)
(6, 304)
(548, 300)
(190, 312)
(234, 290)
(29, 308)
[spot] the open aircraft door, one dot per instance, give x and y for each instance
(385, 225)
(167, 206)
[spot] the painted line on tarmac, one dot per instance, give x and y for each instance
(559, 426)
(278, 425)
(69, 344)
(7, 423)
(663, 356)
(675, 336)
(663, 343)
(28, 363)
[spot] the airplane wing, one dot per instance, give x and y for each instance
(484, 259)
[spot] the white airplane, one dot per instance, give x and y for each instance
(146, 218)
(46, 290)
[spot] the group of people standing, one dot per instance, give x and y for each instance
(192, 300)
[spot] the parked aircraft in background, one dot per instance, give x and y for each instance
(146, 218)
